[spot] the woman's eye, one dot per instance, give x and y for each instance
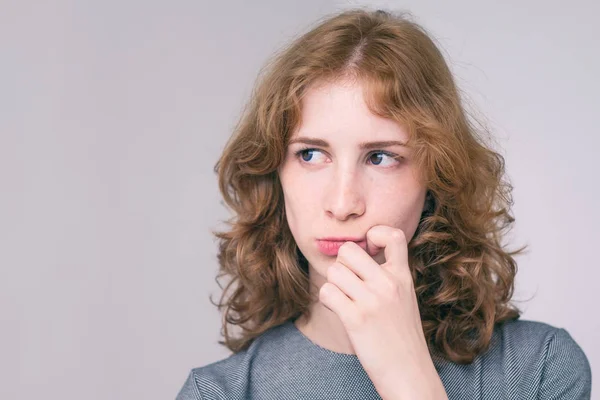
(306, 155)
(375, 158)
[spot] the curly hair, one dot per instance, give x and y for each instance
(463, 275)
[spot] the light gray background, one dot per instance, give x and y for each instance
(113, 113)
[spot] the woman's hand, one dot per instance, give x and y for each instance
(378, 306)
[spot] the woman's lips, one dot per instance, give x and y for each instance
(331, 247)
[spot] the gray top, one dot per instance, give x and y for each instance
(526, 360)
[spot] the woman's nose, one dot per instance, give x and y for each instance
(345, 197)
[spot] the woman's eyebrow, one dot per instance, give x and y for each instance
(363, 146)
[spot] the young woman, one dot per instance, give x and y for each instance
(365, 257)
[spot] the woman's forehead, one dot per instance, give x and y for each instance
(337, 110)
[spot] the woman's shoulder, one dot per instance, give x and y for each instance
(525, 359)
(528, 337)
(541, 354)
(228, 378)
(217, 380)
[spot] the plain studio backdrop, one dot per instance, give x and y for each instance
(113, 113)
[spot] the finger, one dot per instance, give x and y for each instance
(347, 281)
(334, 299)
(358, 261)
(393, 241)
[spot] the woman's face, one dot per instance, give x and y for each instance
(337, 183)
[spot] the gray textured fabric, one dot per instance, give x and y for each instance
(526, 360)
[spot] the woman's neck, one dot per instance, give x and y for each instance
(322, 326)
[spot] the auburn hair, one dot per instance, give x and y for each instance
(463, 275)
